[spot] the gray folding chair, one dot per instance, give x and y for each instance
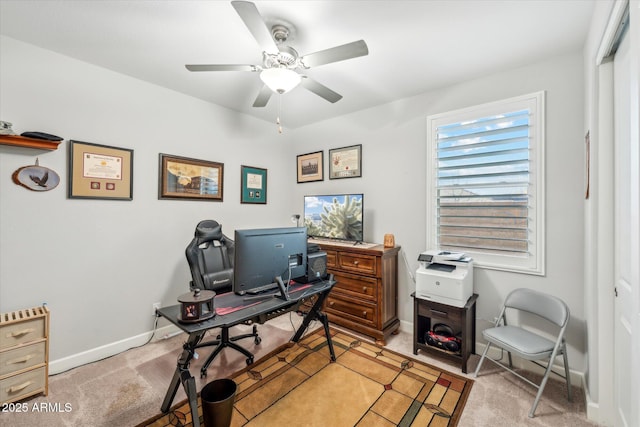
(527, 344)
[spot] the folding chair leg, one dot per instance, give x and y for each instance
(566, 371)
(484, 354)
(543, 383)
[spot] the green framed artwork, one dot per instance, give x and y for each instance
(253, 185)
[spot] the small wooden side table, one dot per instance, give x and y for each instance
(428, 313)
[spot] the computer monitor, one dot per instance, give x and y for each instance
(262, 255)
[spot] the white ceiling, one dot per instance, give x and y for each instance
(414, 46)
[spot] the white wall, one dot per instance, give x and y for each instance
(393, 139)
(100, 264)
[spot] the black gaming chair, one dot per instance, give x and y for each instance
(210, 257)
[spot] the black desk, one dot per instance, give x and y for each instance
(244, 311)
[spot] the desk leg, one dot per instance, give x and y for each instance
(182, 375)
(313, 314)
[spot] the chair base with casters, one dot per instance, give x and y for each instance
(529, 345)
(224, 340)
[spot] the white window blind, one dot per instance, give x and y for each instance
(485, 183)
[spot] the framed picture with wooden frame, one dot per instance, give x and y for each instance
(190, 179)
(345, 162)
(253, 185)
(100, 172)
(310, 167)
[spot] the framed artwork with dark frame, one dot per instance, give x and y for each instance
(100, 172)
(345, 162)
(310, 167)
(253, 187)
(189, 179)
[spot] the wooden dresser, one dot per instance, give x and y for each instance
(365, 298)
(24, 353)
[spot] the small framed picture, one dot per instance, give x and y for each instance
(345, 162)
(190, 179)
(190, 311)
(253, 185)
(310, 167)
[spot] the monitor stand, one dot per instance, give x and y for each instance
(283, 290)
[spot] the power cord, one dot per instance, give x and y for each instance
(404, 257)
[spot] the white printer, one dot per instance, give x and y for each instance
(445, 277)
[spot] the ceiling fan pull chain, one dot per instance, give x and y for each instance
(279, 111)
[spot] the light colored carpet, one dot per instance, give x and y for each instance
(129, 388)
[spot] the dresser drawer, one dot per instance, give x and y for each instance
(22, 332)
(356, 286)
(357, 263)
(21, 358)
(22, 385)
(332, 258)
(362, 313)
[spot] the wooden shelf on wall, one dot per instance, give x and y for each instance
(21, 141)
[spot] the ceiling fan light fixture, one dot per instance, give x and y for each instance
(280, 80)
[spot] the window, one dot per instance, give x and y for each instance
(485, 183)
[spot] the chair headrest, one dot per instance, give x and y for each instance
(209, 230)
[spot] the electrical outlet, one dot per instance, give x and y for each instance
(154, 307)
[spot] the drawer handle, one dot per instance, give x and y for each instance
(330, 303)
(17, 388)
(24, 359)
(364, 289)
(364, 314)
(20, 333)
(355, 262)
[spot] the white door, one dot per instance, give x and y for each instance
(627, 236)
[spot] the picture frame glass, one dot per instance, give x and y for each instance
(253, 185)
(345, 162)
(99, 171)
(187, 178)
(310, 167)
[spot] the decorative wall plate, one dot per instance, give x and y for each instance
(36, 177)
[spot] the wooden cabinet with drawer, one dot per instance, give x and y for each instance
(462, 320)
(24, 353)
(365, 297)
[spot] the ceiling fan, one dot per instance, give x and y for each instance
(280, 62)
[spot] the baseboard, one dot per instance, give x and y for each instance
(406, 327)
(64, 364)
(593, 408)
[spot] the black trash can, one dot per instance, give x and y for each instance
(217, 402)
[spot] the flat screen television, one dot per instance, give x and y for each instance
(262, 254)
(335, 216)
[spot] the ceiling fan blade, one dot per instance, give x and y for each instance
(221, 67)
(320, 89)
(253, 20)
(335, 54)
(263, 96)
